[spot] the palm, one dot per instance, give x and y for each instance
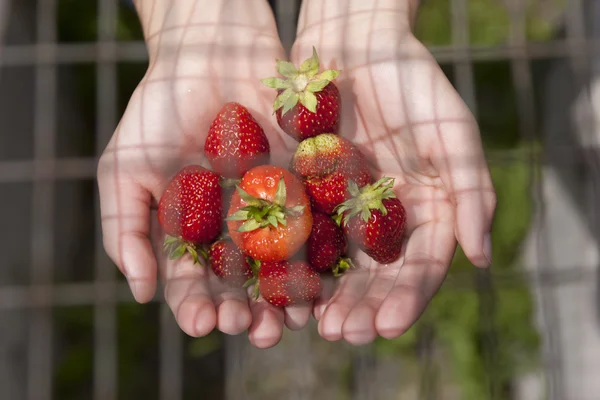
(412, 126)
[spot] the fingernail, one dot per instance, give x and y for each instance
(487, 247)
(132, 287)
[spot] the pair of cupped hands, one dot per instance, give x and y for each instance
(397, 106)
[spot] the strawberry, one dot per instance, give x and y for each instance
(269, 217)
(326, 163)
(308, 102)
(229, 263)
(285, 283)
(190, 211)
(375, 219)
(326, 245)
(235, 142)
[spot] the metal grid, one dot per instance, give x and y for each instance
(105, 292)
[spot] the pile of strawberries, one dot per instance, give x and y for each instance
(283, 227)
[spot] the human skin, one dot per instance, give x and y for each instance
(397, 106)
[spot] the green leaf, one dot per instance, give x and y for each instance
(327, 75)
(240, 215)
(353, 188)
(283, 98)
(290, 103)
(272, 220)
(309, 100)
(317, 86)
(287, 69)
(310, 66)
(249, 282)
(248, 198)
(365, 214)
(296, 210)
(249, 226)
(277, 83)
(281, 193)
(179, 251)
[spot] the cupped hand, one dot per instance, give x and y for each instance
(406, 117)
(194, 70)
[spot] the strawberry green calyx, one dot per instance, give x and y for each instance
(177, 247)
(300, 84)
(363, 200)
(255, 266)
(260, 213)
(342, 266)
(227, 183)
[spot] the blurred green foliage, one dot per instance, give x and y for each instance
(455, 315)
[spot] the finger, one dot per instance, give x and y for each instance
(351, 288)
(463, 170)
(359, 326)
(266, 329)
(233, 310)
(296, 317)
(329, 284)
(429, 251)
(188, 295)
(125, 211)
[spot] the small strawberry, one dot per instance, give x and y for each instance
(308, 102)
(375, 219)
(285, 283)
(235, 142)
(326, 245)
(326, 163)
(229, 263)
(190, 211)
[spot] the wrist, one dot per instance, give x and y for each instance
(172, 26)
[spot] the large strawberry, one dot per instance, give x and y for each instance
(229, 263)
(269, 217)
(190, 210)
(327, 245)
(375, 219)
(235, 142)
(285, 283)
(326, 163)
(308, 102)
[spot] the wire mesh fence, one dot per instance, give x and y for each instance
(70, 327)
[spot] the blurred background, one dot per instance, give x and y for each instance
(528, 329)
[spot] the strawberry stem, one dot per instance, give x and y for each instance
(176, 247)
(301, 84)
(260, 213)
(369, 197)
(342, 266)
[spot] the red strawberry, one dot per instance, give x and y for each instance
(308, 102)
(235, 142)
(269, 217)
(375, 219)
(229, 263)
(190, 210)
(326, 163)
(284, 283)
(326, 245)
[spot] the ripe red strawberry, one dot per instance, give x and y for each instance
(326, 245)
(229, 263)
(285, 283)
(308, 102)
(375, 219)
(235, 142)
(190, 210)
(326, 163)
(269, 217)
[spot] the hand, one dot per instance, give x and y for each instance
(194, 69)
(406, 117)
